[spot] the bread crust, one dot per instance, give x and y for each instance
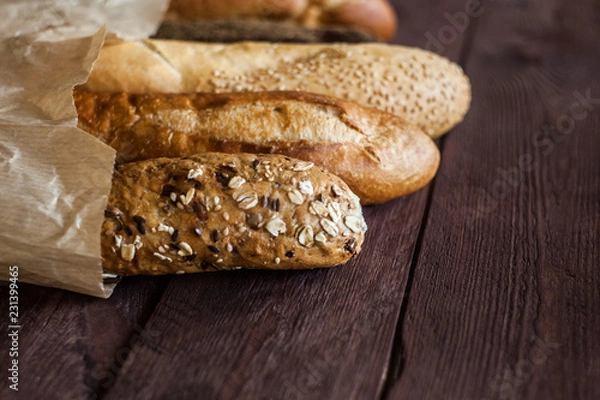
(375, 17)
(220, 211)
(420, 87)
(378, 154)
(217, 9)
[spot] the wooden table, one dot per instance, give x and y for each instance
(483, 285)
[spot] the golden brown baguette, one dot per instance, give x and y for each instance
(378, 154)
(375, 17)
(223, 211)
(419, 86)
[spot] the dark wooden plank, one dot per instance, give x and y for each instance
(505, 297)
(260, 334)
(71, 345)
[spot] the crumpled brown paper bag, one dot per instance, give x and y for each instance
(55, 178)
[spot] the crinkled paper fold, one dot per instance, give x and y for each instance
(55, 178)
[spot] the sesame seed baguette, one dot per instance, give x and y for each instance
(219, 211)
(377, 154)
(419, 86)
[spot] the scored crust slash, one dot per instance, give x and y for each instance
(377, 154)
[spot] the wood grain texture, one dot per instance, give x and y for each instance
(507, 305)
(72, 346)
(261, 334)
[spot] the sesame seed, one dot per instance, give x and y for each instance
(277, 260)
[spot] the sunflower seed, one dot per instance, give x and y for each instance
(186, 248)
(188, 196)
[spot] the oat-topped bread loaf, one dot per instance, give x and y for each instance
(419, 86)
(376, 17)
(221, 211)
(377, 154)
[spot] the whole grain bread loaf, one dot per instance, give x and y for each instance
(224, 211)
(378, 154)
(421, 87)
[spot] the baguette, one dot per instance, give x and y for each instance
(377, 154)
(231, 31)
(419, 86)
(376, 17)
(222, 211)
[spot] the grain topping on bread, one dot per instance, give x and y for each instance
(221, 211)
